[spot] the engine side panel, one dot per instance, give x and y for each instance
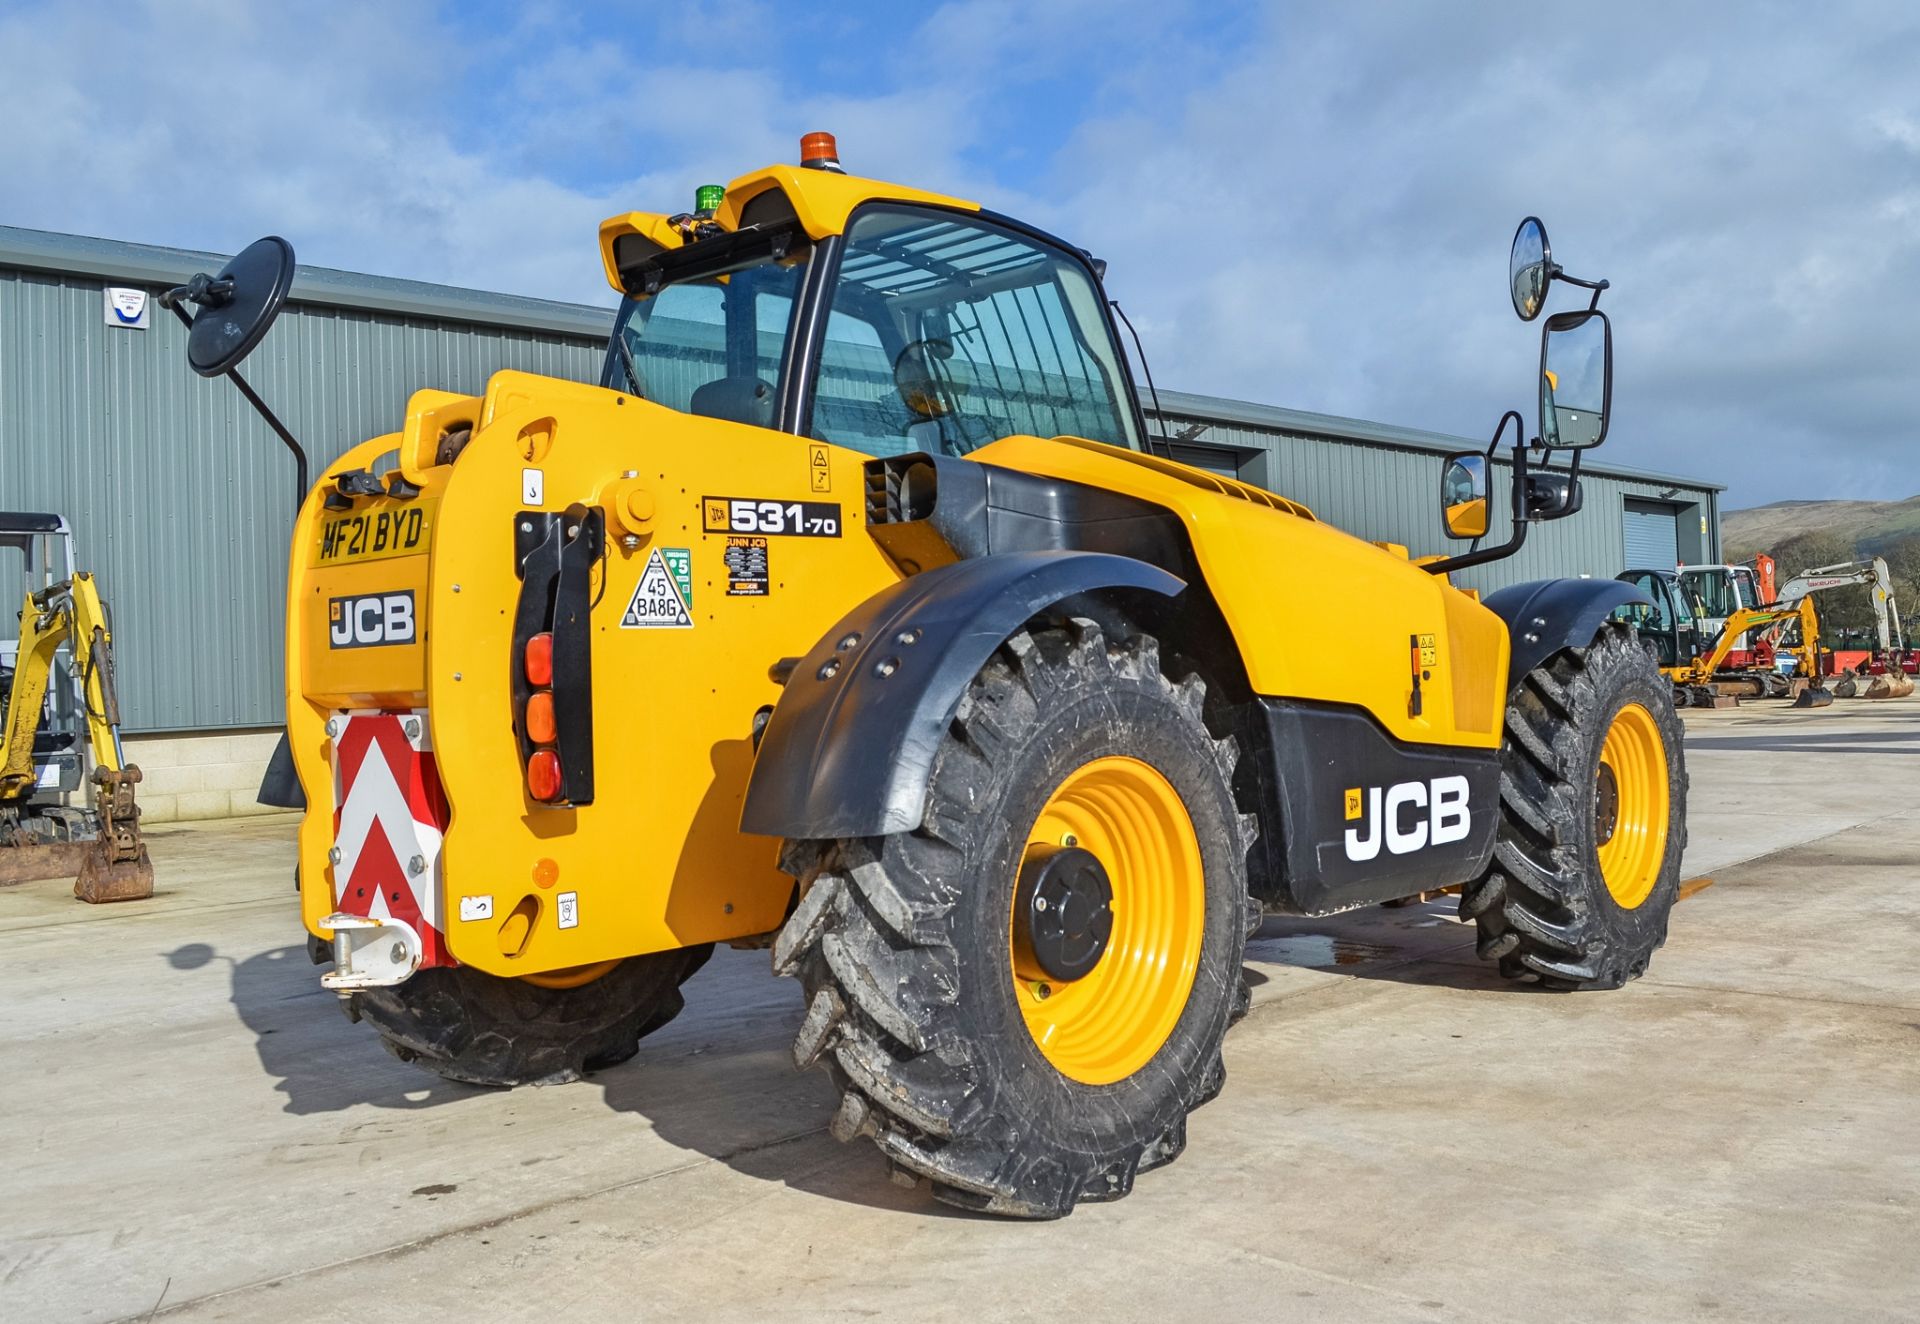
(1317, 614)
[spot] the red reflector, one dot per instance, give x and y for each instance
(540, 729)
(539, 661)
(543, 775)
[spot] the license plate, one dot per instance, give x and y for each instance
(373, 535)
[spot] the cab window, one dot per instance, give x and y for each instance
(948, 332)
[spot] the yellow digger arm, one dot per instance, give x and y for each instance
(1747, 618)
(70, 613)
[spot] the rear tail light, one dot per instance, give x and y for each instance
(544, 780)
(543, 775)
(539, 661)
(540, 727)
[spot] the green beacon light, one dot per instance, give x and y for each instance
(708, 197)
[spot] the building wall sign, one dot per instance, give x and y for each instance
(129, 308)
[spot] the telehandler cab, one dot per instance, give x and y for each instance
(856, 614)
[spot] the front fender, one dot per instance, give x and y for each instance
(850, 746)
(1545, 616)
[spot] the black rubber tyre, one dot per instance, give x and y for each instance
(902, 942)
(1543, 907)
(470, 1026)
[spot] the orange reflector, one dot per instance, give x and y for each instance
(543, 775)
(545, 873)
(539, 661)
(818, 149)
(540, 727)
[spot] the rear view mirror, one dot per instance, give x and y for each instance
(1529, 268)
(1576, 380)
(1463, 495)
(235, 307)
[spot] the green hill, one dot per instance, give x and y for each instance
(1870, 526)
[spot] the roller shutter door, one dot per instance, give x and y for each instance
(1214, 459)
(1652, 536)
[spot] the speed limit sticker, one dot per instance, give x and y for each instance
(795, 519)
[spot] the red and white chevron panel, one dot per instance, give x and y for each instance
(389, 817)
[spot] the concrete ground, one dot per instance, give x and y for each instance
(191, 1124)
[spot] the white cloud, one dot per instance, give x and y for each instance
(1307, 204)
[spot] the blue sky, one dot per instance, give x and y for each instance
(1304, 203)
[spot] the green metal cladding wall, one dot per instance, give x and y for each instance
(179, 496)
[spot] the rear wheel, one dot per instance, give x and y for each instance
(1022, 999)
(478, 1028)
(1593, 796)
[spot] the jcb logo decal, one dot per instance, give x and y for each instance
(370, 620)
(1408, 816)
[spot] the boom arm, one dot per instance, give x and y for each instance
(1701, 669)
(69, 612)
(1886, 614)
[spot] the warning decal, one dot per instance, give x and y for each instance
(820, 475)
(746, 567)
(663, 599)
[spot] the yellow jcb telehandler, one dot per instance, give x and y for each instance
(41, 744)
(858, 614)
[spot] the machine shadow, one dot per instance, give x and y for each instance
(720, 1081)
(320, 1061)
(1421, 943)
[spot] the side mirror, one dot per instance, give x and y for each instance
(236, 307)
(1464, 508)
(1529, 268)
(1576, 380)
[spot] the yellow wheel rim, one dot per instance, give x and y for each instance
(572, 977)
(1110, 1022)
(1631, 806)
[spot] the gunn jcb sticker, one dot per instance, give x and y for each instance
(793, 519)
(370, 620)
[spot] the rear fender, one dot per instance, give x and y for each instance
(1548, 616)
(849, 749)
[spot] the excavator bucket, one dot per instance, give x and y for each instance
(1893, 685)
(26, 861)
(1814, 697)
(116, 867)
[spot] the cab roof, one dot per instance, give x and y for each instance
(821, 201)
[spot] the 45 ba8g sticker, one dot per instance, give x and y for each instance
(663, 599)
(794, 519)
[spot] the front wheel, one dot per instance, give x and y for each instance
(1022, 999)
(1593, 820)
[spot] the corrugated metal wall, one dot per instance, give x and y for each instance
(1391, 494)
(179, 496)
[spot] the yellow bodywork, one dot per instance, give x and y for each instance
(657, 861)
(70, 614)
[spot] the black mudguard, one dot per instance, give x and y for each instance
(1545, 616)
(850, 745)
(281, 787)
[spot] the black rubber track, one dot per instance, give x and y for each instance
(1542, 908)
(901, 942)
(467, 1025)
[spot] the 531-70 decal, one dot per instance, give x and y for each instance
(797, 519)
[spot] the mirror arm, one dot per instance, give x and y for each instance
(260, 406)
(1595, 285)
(1516, 505)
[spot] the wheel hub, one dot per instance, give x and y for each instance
(1063, 911)
(1606, 805)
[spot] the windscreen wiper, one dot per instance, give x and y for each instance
(626, 362)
